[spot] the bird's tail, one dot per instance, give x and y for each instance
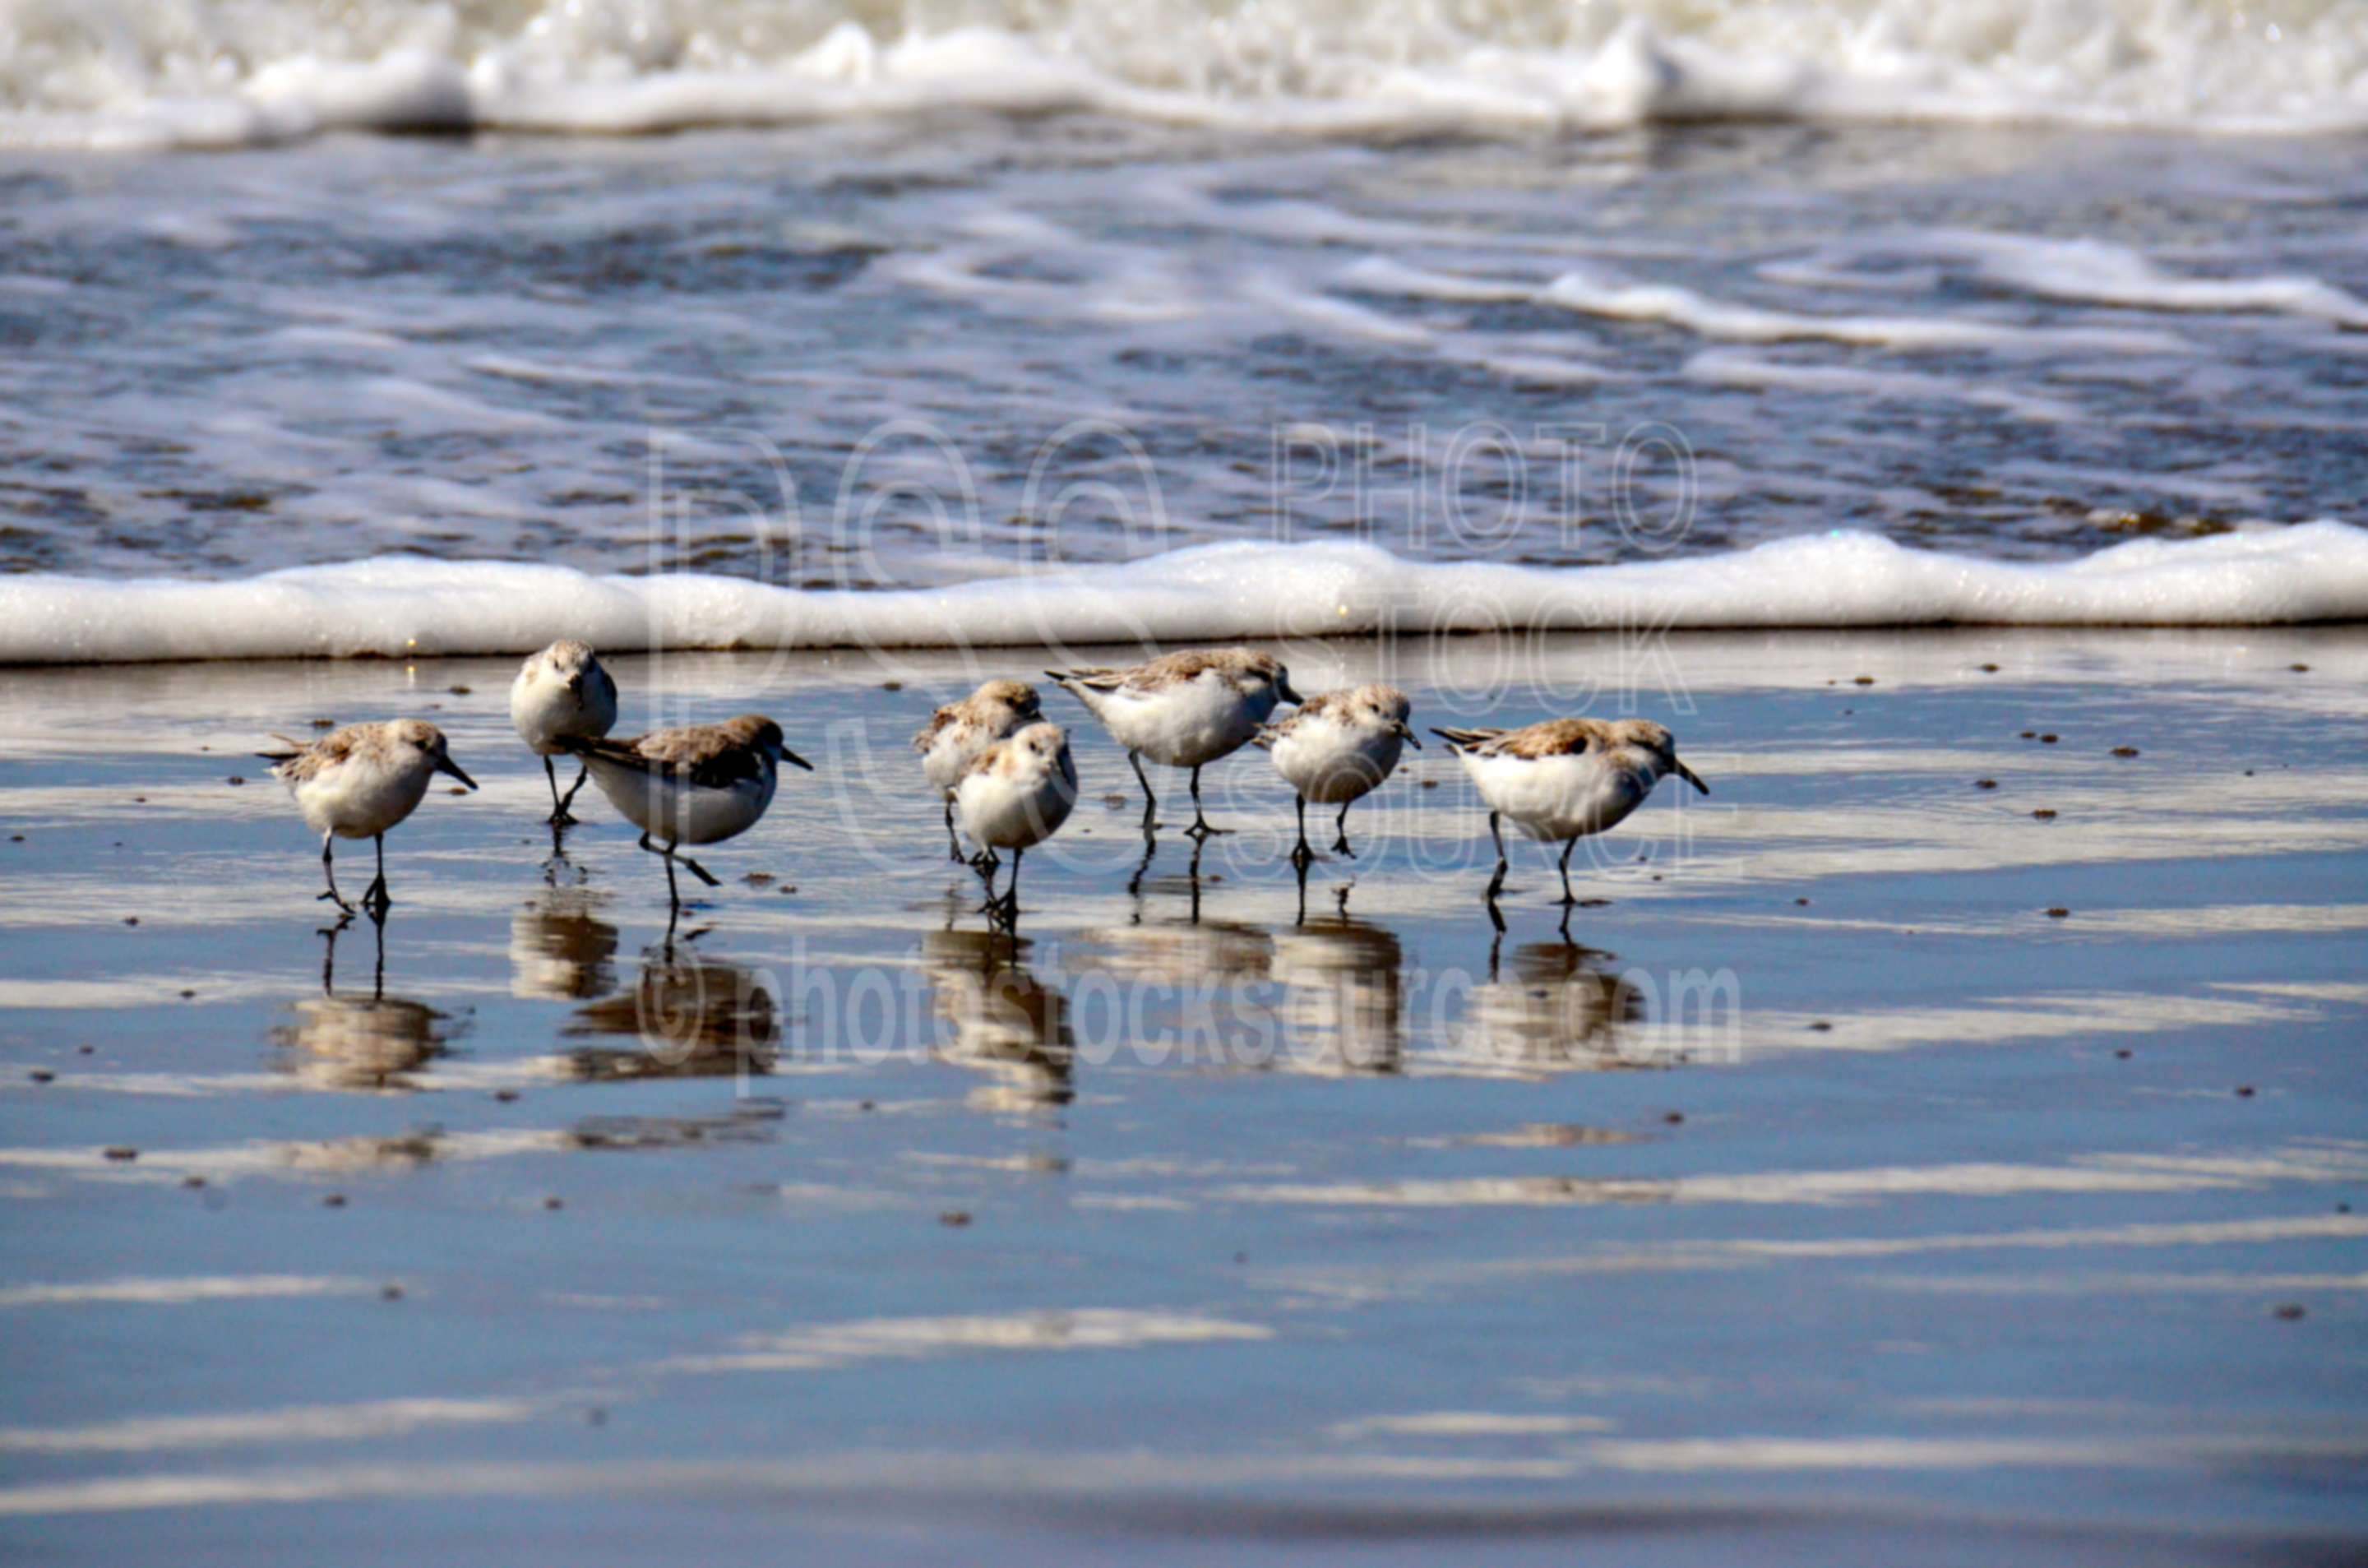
(1087, 686)
(295, 749)
(1464, 740)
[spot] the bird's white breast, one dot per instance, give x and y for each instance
(677, 810)
(1553, 797)
(956, 746)
(542, 708)
(1333, 763)
(362, 796)
(1017, 811)
(1187, 724)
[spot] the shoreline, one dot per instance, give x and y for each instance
(403, 607)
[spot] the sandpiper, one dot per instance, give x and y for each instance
(1183, 710)
(1335, 748)
(562, 692)
(359, 781)
(699, 784)
(1016, 795)
(1565, 779)
(958, 733)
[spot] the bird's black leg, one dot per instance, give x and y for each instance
(953, 840)
(992, 907)
(1568, 898)
(1200, 828)
(558, 817)
(674, 894)
(1301, 855)
(694, 868)
(566, 818)
(1299, 864)
(374, 897)
(1010, 903)
(1496, 882)
(1150, 801)
(329, 869)
(1340, 833)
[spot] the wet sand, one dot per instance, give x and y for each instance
(1882, 1166)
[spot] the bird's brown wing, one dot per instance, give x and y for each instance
(704, 754)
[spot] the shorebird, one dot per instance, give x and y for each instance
(699, 784)
(960, 733)
(1017, 795)
(1335, 748)
(1182, 710)
(562, 692)
(359, 781)
(1565, 779)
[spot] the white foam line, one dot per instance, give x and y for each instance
(397, 607)
(1596, 293)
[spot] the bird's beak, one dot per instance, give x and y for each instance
(1406, 735)
(789, 755)
(1283, 689)
(575, 686)
(446, 765)
(1682, 771)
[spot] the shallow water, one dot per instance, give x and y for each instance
(1730, 1219)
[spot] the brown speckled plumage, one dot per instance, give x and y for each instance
(1235, 664)
(712, 756)
(987, 708)
(386, 743)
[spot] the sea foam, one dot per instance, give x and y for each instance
(403, 606)
(259, 72)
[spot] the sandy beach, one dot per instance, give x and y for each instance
(1939, 1137)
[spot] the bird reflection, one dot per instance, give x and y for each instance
(560, 951)
(356, 1042)
(1005, 1021)
(1343, 996)
(1561, 1010)
(692, 1018)
(1189, 883)
(1180, 952)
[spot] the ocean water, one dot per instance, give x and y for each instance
(871, 301)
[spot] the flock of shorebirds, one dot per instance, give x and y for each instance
(1001, 768)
